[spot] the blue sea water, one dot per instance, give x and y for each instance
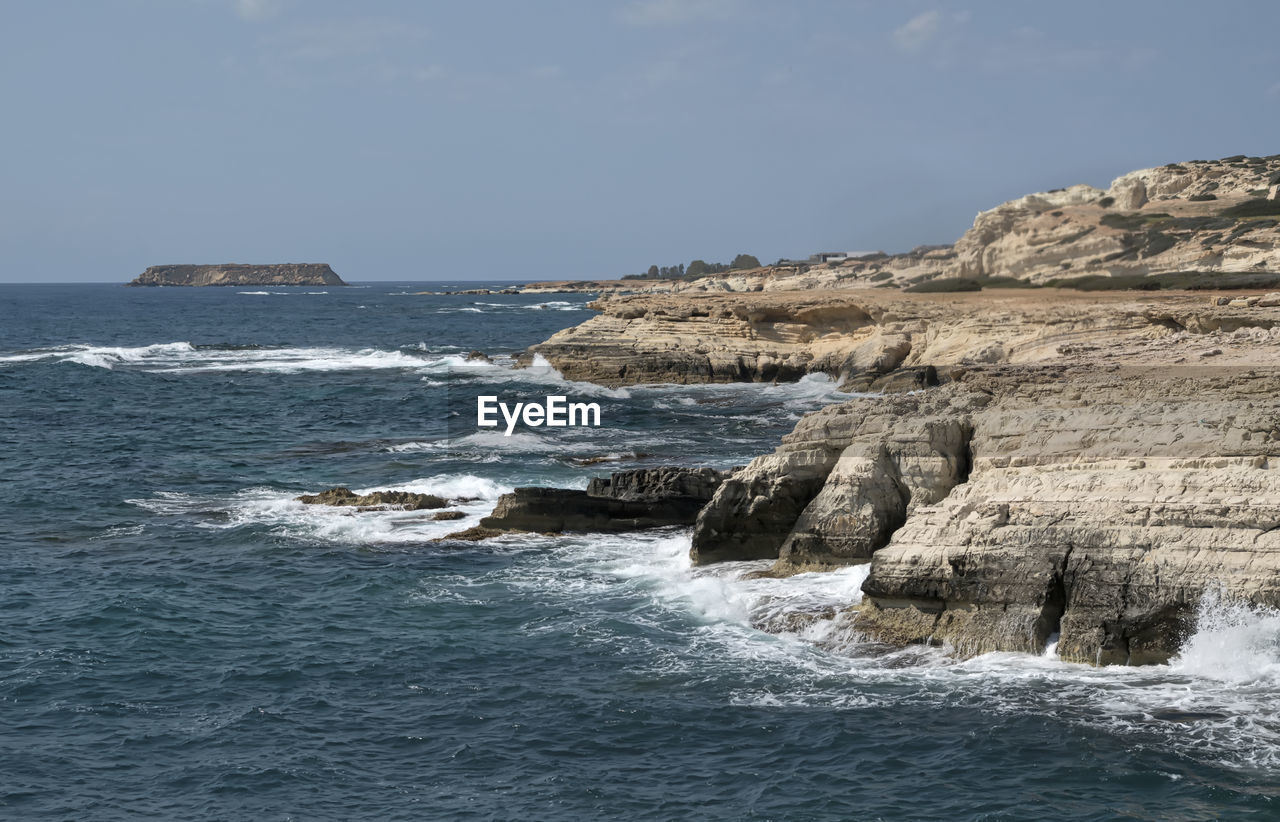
(179, 639)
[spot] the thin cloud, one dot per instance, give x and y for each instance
(347, 38)
(254, 10)
(677, 12)
(917, 32)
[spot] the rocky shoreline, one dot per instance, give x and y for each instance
(1014, 504)
(875, 339)
(1028, 468)
(1020, 467)
(1177, 221)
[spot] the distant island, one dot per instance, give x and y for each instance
(239, 274)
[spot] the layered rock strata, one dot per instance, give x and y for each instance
(874, 337)
(1211, 216)
(1013, 504)
(238, 275)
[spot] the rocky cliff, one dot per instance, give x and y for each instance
(1042, 463)
(1037, 465)
(875, 338)
(237, 274)
(1016, 504)
(1212, 217)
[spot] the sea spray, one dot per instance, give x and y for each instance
(1233, 641)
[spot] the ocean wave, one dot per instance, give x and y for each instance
(1233, 642)
(280, 511)
(1216, 702)
(556, 305)
(183, 357)
(280, 293)
(482, 440)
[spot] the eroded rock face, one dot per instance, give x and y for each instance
(841, 483)
(884, 340)
(399, 500)
(1172, 218)
(880, 479)
(627, 501)
(1097, 506)
(238, 274)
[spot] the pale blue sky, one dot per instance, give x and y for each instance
(523, 140)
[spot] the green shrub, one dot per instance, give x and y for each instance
(1172, 281)
(1207, 223)
(1202, 198)
(1253, 208)
(1133, 221)
(944, 285)
(1006, 282)
(1157, 242)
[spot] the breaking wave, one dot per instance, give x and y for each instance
(185, 358)
(282, 514)
(1216, 702)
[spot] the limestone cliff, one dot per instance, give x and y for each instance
(1213, 217)
(1044, 463)
(1017, 503)
(872, 337)
(239, 275)
(1082, 464)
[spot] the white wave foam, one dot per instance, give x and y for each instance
(103, 356)
(556, 305)
(483, 440)
(183, 357)
(472, 495)
(1233, 642)
(1217, 703)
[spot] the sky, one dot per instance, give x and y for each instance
(480, 140)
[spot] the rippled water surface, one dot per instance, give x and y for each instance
(180, 639)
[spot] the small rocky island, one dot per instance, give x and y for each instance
(240, 274)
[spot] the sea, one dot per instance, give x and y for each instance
(180, 639)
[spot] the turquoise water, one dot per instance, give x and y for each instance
(181, 640)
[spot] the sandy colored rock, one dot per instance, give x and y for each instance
(1172, 218)
(1096, 505)
(863, 336)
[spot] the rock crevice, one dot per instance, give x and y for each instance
(1013, 504)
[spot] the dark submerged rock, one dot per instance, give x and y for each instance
(376, 501)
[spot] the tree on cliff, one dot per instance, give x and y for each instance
(696, 268)
(744, 261)
(652, 272)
